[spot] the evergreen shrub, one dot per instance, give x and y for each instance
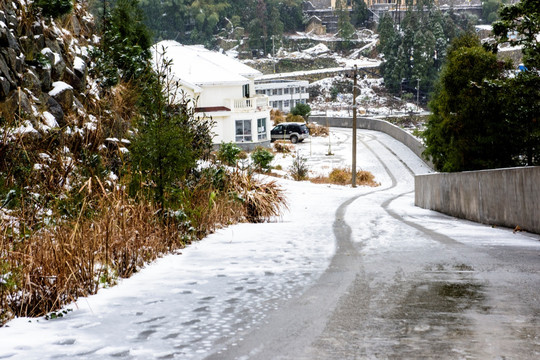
(54, 8)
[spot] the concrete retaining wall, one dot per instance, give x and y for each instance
(504, 197)
(379, 125)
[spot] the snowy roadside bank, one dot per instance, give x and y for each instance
(218, 287)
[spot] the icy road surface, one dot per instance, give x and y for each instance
(345, 274)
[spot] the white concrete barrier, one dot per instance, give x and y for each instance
(505, 197)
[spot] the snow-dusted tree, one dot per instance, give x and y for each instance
(467, 129)
(345, 28)
(168, 139)
(523, 91)
(360, 13)
(54, 8)
(125, 47)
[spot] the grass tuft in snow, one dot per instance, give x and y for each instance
(343, 176)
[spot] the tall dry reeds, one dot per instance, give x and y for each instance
(59, 263)
(112, 235)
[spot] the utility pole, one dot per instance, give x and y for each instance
(418, 95)
(273, 54)
(354, 129)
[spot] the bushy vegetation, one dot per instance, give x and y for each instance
(299, 169)
(276, 116)
(229, 153)
(54, 8)
(196, 22)
(343, 176)
(303, 110)
(414, 53)
(81, 209)
(485, 115)
(318, 130)
(262, 158)
(282, 146)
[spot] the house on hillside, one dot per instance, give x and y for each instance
(224, 90)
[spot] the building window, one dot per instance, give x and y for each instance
(280, 105)
(274, 91)
(243, 130)
(261, 128)
(286, 91)
(286, 103)
(245, 90)
(280, 91)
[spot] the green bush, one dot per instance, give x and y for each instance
(54, 8)
(262, 158)
(304, 110)
(229, 153)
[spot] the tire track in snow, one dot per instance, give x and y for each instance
(386, 204)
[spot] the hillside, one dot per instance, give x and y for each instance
(100, 172)
(44, 80)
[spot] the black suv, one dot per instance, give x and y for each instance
(296, 132)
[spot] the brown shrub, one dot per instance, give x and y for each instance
(294, 118)
(283, 147)
(113, 236)
(343, 176)
(277, 116)
(318, 130)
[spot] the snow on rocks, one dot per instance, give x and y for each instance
(50, 120)
(317, 50)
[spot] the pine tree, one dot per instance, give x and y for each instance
(467, 130)
(124, 52)
(168, 139)
(523, 91)
(345, 28)
(360, 13)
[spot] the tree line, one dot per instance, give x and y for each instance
(486, 112)
(414, 49)
(198, 21)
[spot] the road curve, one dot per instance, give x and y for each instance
(407, 286)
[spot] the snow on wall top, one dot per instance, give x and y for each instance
(199, 66)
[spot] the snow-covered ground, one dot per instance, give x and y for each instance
(218, 290)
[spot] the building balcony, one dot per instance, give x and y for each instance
(255, 103)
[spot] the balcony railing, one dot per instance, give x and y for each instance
(257, 102)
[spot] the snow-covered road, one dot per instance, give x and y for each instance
(345, 274)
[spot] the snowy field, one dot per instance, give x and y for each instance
(218, 290)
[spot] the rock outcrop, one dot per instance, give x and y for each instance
(44, 63)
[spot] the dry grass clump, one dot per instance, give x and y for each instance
(318, 130)
(113, 235)
(277, 116)
(284, 147)
(261, 200)
(46, 268)
(343, 176)
(295, 118)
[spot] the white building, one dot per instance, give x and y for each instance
(283, 94)
(224, 90)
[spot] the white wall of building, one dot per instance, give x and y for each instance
(284, 95)
(224, 90)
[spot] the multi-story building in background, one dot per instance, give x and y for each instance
(283, 94)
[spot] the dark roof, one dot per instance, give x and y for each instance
(212, 109)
